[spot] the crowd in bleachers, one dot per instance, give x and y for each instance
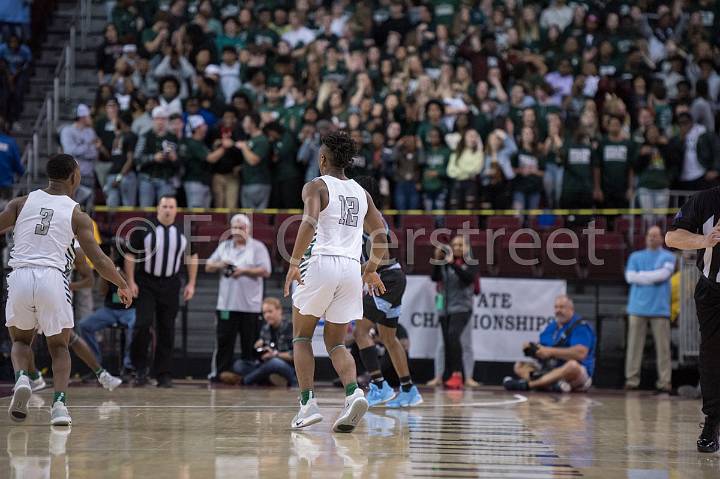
(453, 104)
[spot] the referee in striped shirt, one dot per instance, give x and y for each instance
(153, 268)
(697, 226)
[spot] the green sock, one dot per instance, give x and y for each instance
(99, 371)
(34, 375)
(350, 388)
(59, 396)
(305, 396)
(19, 373)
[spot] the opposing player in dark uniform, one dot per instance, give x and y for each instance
(383, 312)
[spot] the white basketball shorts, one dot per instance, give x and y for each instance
(332, 287)
(39, 298)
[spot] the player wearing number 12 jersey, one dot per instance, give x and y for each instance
(326, 264)
(44, 225)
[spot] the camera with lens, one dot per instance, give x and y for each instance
(264, 349)
(229, 270)
(531, 350)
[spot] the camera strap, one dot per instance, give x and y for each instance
(562, 340)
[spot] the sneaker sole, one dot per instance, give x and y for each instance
(39, 387)
(61, 421)
(381, 402)
(416, 403)
(18, 409)
(314, 419)
(350, 420)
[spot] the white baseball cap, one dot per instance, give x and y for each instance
(212, 70)
(195, 122)
(82, 111)
(160, 112)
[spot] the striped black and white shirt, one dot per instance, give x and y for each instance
(699, 215)
(160, 249)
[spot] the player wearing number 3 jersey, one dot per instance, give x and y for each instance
(326, 264)
(44, 225)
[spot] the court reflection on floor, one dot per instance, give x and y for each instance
(199, 433)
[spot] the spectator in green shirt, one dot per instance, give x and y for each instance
(256, 181)
(230, 36)
(286, 172)
(613, 175)
(656, 171)
(529, 167)
(196, 158)
(434, 178)
(577, 180)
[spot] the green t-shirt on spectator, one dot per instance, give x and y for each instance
(616, 158)
(258, 174)
(124, 21)
(193, 154)
(424, 128)
(530, 183)
(577, 182)
(292, 118)
(436, 160)
(264, 36)
(444, 10)
(654, 174)
(285, 166)
(611, 68)
(222, 41)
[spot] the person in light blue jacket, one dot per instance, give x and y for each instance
(648, 272)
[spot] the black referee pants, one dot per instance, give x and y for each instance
(156, 306)
(707, 302)
(229, 325)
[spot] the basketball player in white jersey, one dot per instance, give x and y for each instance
(326, 264)
(45, 223)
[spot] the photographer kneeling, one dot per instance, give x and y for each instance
(564, 358)
(273, 352)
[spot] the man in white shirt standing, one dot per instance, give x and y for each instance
(243, 263)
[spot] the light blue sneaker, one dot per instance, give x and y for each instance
(407, 399)
(377, 396)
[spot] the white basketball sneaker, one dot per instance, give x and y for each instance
(109, 381)
(355, 408)
(59, 415)
(39, 383)
(22, 391)
(308, 415)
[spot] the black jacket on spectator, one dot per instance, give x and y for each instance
(150, 144)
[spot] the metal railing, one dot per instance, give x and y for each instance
(688, 327)
(48, 118)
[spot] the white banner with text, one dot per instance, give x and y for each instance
(506, 313)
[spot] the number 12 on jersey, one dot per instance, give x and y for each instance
(43, 227)
(349, 209)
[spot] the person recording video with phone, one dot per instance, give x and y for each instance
(242, 263)
(564, 358)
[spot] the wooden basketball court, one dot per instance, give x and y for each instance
(195, 432)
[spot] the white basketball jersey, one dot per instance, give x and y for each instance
(43, 234)
(340, 225)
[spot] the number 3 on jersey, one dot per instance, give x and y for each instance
(350, 207)
(43, 227)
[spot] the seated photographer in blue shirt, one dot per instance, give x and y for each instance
(274, 363)
(648, 273)
(564, 358)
